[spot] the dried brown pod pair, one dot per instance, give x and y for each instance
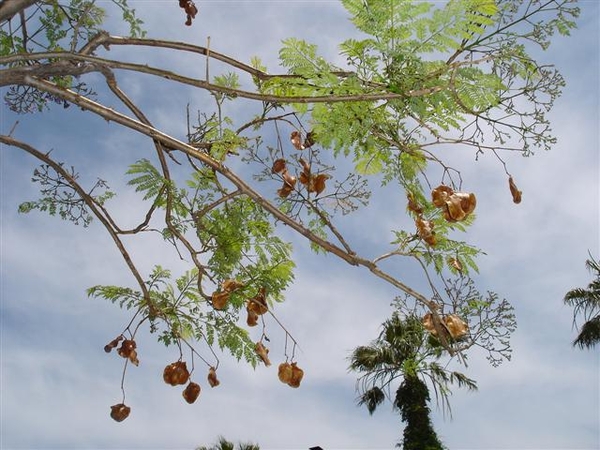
(290, 374)
(452, 324)
(113, 344)
(456, 205)
(176, 373)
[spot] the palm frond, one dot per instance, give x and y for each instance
(371, 399)
(589, 335)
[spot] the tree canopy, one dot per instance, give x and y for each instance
(302, 148)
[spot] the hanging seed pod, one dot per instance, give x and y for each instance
(278, 166)
(176, 373)
(191, 392)
(113, 344)
(297, 375)
(425, 231)
(440, 195)
(119, 412)
(127, 347)
(284, 372)
(258, 304)
(514, 191)
(263, 353)
(252, 319)
(219, 299)
(296, 139)
(212, 377)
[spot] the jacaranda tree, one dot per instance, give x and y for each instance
(419, 79)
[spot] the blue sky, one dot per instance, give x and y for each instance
(57, 384)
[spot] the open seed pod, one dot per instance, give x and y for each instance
(284, 372)
(263, 353)
(297, 375)
(191, 392)
(176, 373)
(289, 182)
(212, 377)
(231, 285)
(413, 206)
(119, 412)
(252, 319)
(459, 206)
(456, 326)
(316, 183)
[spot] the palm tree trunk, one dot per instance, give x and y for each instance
(411, 399)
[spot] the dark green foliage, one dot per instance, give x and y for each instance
(586, 304)
(411, 400)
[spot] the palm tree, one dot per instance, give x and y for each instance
(224, 444)
(405, 350)
(586, 302)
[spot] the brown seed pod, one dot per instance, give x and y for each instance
(127, 347)
(258, 304)
(515, 192)
(252, 319)
(263, 353)
(212, 377)
(278, 166)
(176, 373)
(297, 375)
(113, 344)
(413, 205)
(219, 299)
(440, 195)
(296, 139)
(428, 323)
(119, 412)
(284, 372)
(191, 392)
(310, 139)
(425, 230)
(316, 183)
(454, 262)
(231, 285)
(456, 326)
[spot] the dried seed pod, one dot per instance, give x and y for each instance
(176, 373)
(133, 358)
(219, 299)
(231, 285)
(263, 353)
(212, 377)
(119, 412)
(310, 139)
(425, 231)
(316, 183)
(439, 196)
(278, 166)
(296, 139)
(428, 323)
(413, 205)
(454, 262)
(515, 192)
(297, 375)
(284, 372)
(258, 304)
(456, 326)
(127, 346)
(191, 392)
(252, 319)
(289, 182)
(113, 344)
